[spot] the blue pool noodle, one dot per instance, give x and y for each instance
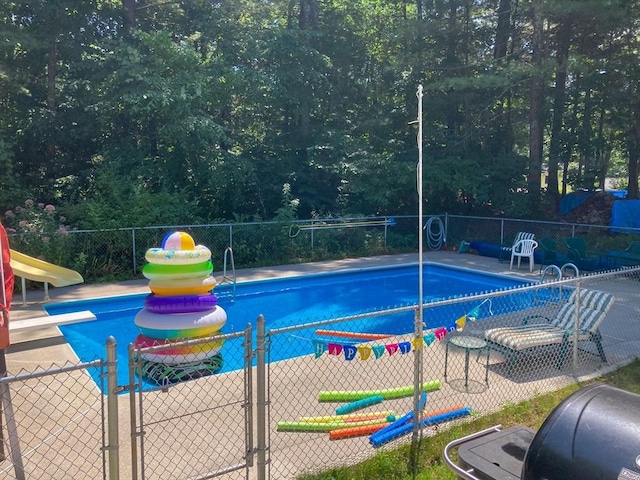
(402, 420)
(379, 440)
(359, 404)
(394, 426)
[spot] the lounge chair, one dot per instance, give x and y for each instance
(559, 330)
(630, 256)
(505, 250)
(582, 255)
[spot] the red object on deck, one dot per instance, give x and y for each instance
(8, 280)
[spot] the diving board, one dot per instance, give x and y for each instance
(51, 321)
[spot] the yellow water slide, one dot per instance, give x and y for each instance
(29, 268)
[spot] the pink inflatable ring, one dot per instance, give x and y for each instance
(176, 354)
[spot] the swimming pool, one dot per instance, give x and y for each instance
(290, 301)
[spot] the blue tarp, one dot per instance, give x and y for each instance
(574, 200)
(625, 216)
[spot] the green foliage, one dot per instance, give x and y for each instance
(209, 108)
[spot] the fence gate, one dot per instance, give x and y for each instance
(196, 429)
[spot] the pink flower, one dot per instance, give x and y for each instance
(62, 230)
(50, 208)
(28, 203)
(11, 230)
(45, 239)
(9, 214)
(23, 223)
(63, 219)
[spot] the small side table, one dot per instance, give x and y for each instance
(468, 343)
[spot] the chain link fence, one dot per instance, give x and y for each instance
(118, 254)
(475, 356)
(53, 423)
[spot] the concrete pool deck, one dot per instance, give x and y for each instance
(35, 348)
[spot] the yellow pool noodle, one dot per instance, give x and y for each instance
(324, 426)
(348, 418)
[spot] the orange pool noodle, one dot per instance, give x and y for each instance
(369, 429)
(356, 335)
(355, 431)
(440, 412)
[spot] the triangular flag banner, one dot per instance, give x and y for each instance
(461, 322)
(405, 347)
(349, 352)
(451, 327)
(378, 351)
(429, 339)
(319, 348)
(392, 348)
(364, 351)
(440, 333)
(474, 314)
(334, 348)
(418, 343)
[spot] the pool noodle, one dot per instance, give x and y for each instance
(387, 394)
(359, 404)
(393, 426)
(356, 335)
(377, 439)
(371, 429)
(423, 401)
(324, 426)
(349, 418)
(355, 431)
(406, 418)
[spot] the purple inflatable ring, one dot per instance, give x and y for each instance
(180, 303)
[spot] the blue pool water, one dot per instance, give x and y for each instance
(293, 301)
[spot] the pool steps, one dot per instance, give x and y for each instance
(51, 320)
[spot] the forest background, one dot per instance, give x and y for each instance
(136, 113)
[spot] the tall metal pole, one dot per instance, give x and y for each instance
(418, 326)
(420, 230)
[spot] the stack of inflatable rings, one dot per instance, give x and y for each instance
(182, 305)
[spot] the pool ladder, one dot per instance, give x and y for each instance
(559, 274)
(228, 255)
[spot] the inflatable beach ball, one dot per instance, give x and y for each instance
(178, 241)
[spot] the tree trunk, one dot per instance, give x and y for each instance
(129, 7)
(633, 147)
(555, 147)
(502, 29)
(52, 71)
(535, 110)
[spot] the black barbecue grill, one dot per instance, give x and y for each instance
(594, 434)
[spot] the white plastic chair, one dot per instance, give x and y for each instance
(524, 248)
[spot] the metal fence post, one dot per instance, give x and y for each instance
(112, 409)
(133, 250)
(576, 326)
(261, 399)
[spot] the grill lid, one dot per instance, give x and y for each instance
(593, 434)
